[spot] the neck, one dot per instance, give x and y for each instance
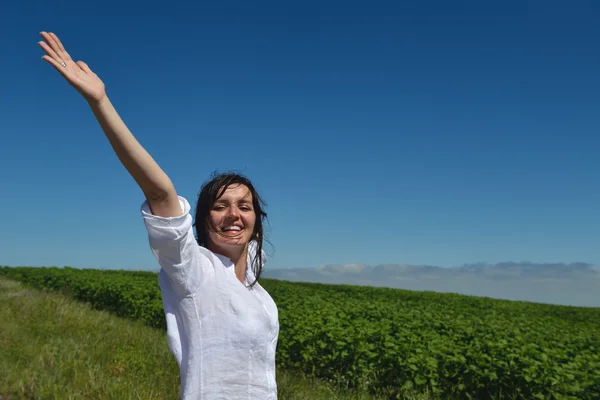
(237, 254)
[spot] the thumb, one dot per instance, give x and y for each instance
(84, 67)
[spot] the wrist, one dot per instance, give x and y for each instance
(97, 102)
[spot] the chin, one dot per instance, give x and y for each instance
(234, 241)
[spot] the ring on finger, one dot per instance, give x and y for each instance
(63, 64)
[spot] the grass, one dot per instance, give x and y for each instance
(52, 347)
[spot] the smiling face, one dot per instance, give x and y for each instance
(232, 219)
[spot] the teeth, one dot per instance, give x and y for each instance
(232, 228)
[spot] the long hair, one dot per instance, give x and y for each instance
(210, 192)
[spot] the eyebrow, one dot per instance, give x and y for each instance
(241, 201)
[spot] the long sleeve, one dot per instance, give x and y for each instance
(175, 248)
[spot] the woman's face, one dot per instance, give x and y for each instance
(233, 216)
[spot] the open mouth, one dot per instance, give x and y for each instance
(232, 230)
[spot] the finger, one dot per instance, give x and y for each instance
(54, 46)
(57, 40)
(60, 45)
(84, 67)
(50, 52)
(50, 42)
(56, 65)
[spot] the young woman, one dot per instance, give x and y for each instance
(222, 326)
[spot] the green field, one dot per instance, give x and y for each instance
(392, 343)
(54, 347)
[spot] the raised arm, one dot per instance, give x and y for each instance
(155, 184)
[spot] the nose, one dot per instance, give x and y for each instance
(233, 212)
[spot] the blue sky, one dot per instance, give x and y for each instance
(441, 133)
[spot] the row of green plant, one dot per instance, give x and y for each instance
(392, 341)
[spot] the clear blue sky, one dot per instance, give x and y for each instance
(440, 133)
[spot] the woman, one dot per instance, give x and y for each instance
(222, 326)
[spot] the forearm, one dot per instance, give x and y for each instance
(153, 181)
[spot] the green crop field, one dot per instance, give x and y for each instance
(388, 341)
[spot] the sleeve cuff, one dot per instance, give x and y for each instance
(158, 222)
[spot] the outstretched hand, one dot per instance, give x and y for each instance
(78, 74)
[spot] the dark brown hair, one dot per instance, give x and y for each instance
(211, 192)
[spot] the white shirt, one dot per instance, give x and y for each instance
(222, 334)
